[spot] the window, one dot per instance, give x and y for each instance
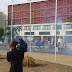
(36, 27)
(57, 27)
(68, 26)
(47, 27)
(44, 33)
(68, 39)
(68, 32)
(28, 33)
(27, 28)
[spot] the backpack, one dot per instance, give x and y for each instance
(21, 45)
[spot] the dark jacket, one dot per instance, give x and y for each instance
(15, 57)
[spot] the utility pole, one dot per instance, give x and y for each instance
(11, 19)
(55, 27)
(30, 27)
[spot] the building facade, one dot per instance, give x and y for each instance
(43, 19)
(2, 19)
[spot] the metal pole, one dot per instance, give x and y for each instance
(4, 32)
(11, 19)
(5, 24)
(30, 27)
(21, 27)
(55, 27)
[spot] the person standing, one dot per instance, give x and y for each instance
(15, 56)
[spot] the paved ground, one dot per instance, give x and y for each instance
(62, 51)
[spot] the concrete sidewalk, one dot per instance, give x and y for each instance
(61, 59)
